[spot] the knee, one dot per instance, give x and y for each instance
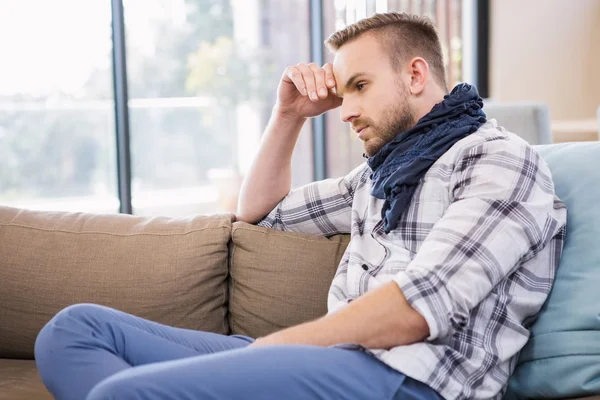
(59, 331)
(77, 313)
(66, 317)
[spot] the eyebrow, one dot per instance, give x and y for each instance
(351, 80)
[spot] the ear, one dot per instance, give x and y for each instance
(418, 70)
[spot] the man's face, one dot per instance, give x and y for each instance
(375, 100)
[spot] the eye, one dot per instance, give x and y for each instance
(360, 86)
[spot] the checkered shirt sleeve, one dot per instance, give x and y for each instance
(321, 208)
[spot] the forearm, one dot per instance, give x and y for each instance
(270, 176)
(380, 319)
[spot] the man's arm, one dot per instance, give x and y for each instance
(304, 92)
(380, 319)
(270, 176)
(322, 208)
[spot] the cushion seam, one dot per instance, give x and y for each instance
(530, 360)
(223, 308)
(231, 284)
(111, 233)
(563, 331)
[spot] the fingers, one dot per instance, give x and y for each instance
(295, 75)
(311, 80)
(319, 78)
(329, 77)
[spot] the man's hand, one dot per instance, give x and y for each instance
(305, 91)
(269, 340)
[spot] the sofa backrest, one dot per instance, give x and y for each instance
(169, 270)
(279, 279)
(530, 121)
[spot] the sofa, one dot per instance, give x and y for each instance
(531, 121)
(210, 273)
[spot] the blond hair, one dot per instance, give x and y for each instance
(406, 35)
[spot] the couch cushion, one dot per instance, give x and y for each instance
(279, 279)
(19, 380)
(169, 270)
(562, 358)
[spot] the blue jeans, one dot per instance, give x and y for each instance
(93, 352)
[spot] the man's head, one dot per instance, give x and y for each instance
(390, 72)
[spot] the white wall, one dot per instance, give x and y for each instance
(547, 51)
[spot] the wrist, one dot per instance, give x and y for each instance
(281, 114)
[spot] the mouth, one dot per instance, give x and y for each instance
(361, 131)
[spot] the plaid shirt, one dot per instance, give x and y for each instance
(475, 253)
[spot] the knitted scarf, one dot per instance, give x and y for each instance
(399, 166)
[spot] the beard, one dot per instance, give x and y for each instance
(398, 117)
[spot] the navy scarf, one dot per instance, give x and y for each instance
(399, 165)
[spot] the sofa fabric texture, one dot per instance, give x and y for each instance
(167, 270)
(279, 279)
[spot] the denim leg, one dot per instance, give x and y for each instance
(290, 372)
(86, 343)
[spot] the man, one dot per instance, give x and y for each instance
(456, 235)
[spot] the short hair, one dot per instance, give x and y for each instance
(407, 34)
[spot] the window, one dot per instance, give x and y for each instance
(202, 79)
(203, 76)
(57, 145)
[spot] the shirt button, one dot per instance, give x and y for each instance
(365, 267)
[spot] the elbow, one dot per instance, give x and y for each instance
(243, 212)
(442, 312)
(413, 326)
(408, 325)
(243, 218)
(242, 215)
(419, 327)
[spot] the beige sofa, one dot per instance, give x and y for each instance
(202, 272)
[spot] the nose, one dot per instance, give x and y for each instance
(349, 110)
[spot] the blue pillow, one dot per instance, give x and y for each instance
(562, 357)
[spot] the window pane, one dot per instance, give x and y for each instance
(203, 76)
(344, 149)
(57, 141)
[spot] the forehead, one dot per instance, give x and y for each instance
(364, 54)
